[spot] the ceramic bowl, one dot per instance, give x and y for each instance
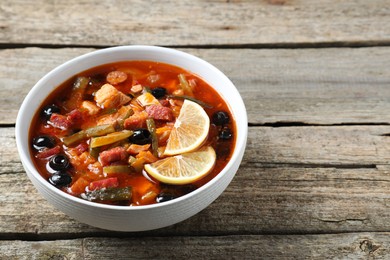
(139, 218)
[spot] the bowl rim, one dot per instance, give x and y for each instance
(25, 155)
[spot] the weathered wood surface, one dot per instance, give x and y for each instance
(336, 246)
(315, 179)
(292, 180)
(310, 86)
(174, 23)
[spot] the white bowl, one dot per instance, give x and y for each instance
(139, 218)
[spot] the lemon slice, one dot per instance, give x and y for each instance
(190, 130)
(183, 168)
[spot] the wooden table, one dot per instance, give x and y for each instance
(315, 78)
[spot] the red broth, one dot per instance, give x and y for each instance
(61, 149)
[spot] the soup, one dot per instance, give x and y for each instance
(132, 133)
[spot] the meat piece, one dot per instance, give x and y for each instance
(46, 153)
(164, 102)
(83, 147)
(75, 116)
(136, 88)
(109, 97)
(105, 183)
(113, 155)
(90, 107)
(136, 121)
(65, 122)
(116, 77)
(60, 121)
(159, 112)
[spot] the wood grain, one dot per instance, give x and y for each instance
(293, 180)
(333, 246)
(309, 86)
(315, 179)
(178, 23)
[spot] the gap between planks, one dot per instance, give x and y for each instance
(34, 237)
(303, 45)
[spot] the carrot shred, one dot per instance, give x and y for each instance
(147, 156)
(79, 186)
(136, 148)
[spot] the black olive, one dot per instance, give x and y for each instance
(162, 197)
(43, 141)
(159, 92)
(48, 110)
(220, 118)
(141, 136)
(225, 134)
(60, 179)
(59, 162)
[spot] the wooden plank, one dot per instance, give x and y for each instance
(341, 146)
(319, 145)
(293, 200)
(24, 250)
(193, 23)
(332, 246)
(21, 69)
(292, 180)
(311, 86)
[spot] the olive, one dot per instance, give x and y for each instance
(220, 118)
(60, 179)
(225, 134)
(141, 136)
(159, 92)
(162, 197)
(49, 110)
(59, 162)
(43, 141)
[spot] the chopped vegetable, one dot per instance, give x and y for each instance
(76, 96)
(81, 83)
(124, 113)
(110, 138)
(138, 164)
(147, 99)
(117, 169)
(79, 185)
(148, 197)
(94, 152)
(163, 133)
(152, 129)
(108, 194)
(90, 132)
(147, 157)
(184, 85)
(74, 138)
(136, 148)
(99, 130)
(131, 160)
